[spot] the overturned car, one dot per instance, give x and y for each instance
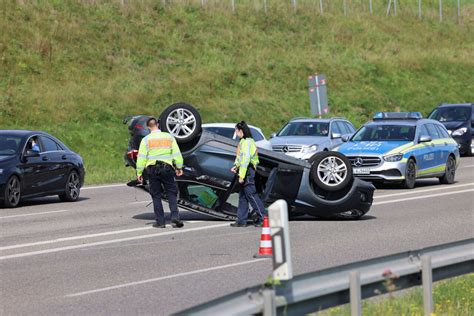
(323, 186)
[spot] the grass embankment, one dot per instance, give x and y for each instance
(75, 70)
(453, 297)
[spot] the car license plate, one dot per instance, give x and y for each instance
(361, 171)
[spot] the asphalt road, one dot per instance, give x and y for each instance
(101, 256)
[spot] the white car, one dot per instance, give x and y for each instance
(228, 130)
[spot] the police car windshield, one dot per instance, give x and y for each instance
(305, 129)
(9, 144)
(385, 133)
(451, 114)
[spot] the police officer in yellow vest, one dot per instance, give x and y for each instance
(245, 166)
(159, 154)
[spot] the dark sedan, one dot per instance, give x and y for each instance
(34, 164)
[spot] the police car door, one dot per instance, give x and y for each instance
(425, 152)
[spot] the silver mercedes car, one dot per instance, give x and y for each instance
(303, 137)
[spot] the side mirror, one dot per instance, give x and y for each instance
(345, 138)
(273, 135)
(425, 139)
(336, 135)
(31, 153)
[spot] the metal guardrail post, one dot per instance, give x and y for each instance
(269, 305)
(427, 278)
(355, 293)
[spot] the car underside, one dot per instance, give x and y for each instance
(208, 186)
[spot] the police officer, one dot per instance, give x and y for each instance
(159, 154)
(245, 165)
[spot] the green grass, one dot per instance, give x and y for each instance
(453, 297)
(75, 70)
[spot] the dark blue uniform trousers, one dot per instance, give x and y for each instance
(248, 194)
(163, 175)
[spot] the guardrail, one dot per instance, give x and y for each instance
(352, 282)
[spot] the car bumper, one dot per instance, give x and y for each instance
(465, 143)
(385, 171)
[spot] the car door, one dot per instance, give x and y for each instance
(33, 169)
(425, 153)
(56, 163)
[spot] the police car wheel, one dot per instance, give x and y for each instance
(331, 171)
(450, 172)
(72, 189)
(410, 175)
(182, 121)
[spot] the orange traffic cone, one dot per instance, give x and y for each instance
(265, 249)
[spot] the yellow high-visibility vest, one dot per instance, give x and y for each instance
(247, 153)
(158, 146)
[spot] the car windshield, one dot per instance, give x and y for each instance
(385, 133)
(305, 129)
(229, 132)
(9, 144)
(451, 114)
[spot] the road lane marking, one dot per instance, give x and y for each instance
(443, 187)
(422, 197)
(104, 186)
(468, 166)
(105, 242)
(140, 202)
(178, 275)
(45, 242)
(31, 214)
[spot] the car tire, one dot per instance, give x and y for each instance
(330, 170)
(182, 121)
(449, 172)
(410, 175)
(72, 189)
(12, 194)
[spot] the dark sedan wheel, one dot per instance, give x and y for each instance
(12, 192)
(410, 175)
(73, 188)
(182, 121)
(450, 172)
(331, 171)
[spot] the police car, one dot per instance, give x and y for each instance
(402, 147)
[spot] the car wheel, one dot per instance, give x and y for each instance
(331, 171)
(12, 192)
(450, 172)
(73, 188)
(182, 121)
(410, 175)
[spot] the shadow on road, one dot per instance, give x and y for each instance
(419, 184)
(184, 215)
(47, 200)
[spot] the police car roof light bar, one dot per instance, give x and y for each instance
(398, 116)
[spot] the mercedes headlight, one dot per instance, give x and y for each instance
(459, 131)
(309, 149)
(1, 171)
(393, 158)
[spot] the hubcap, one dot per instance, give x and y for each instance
(181, 123)
(411, 174)
(332, 171)
(14, 191)
(73, 185)
(450, 171)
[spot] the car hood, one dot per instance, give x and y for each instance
(298, 140)
(372, 147)
(453, 125)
